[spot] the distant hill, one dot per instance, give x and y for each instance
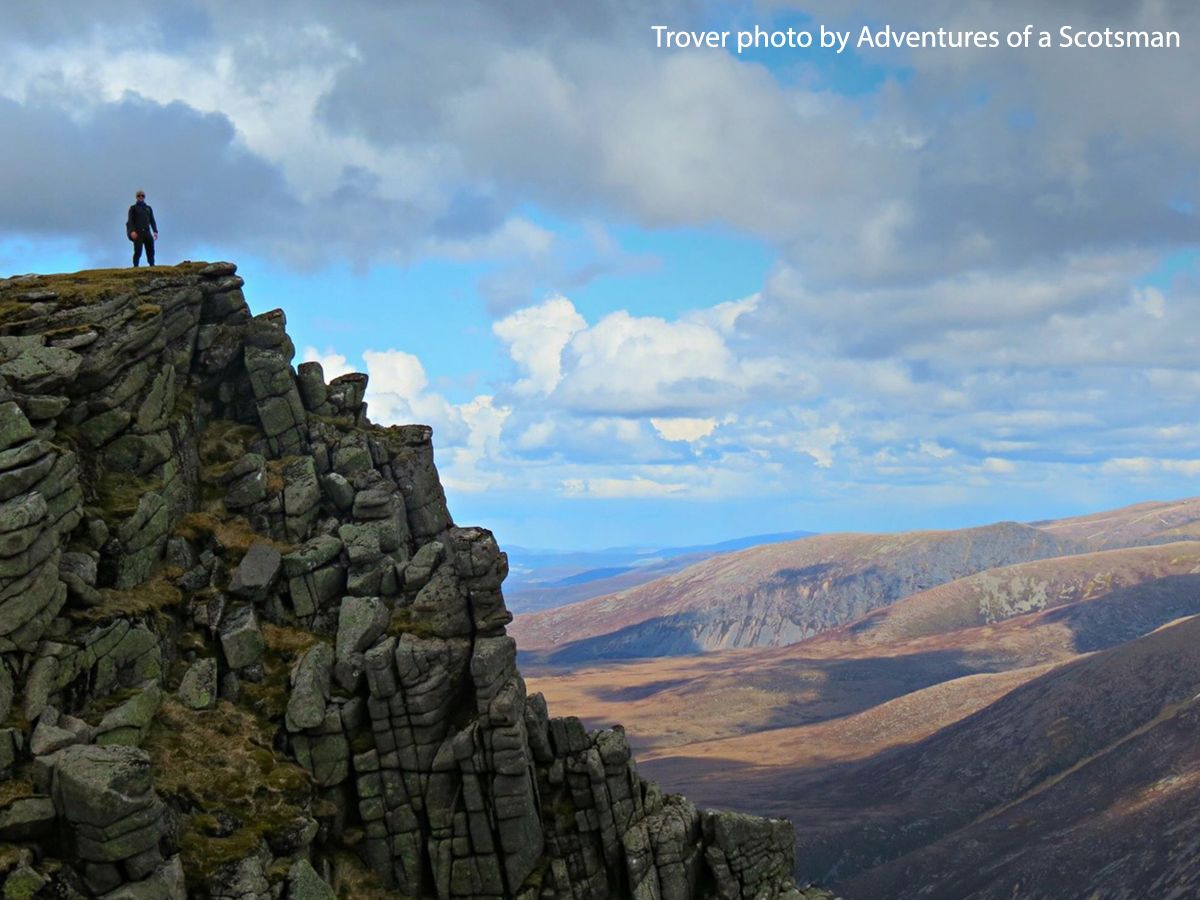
(774, 594)
(788, 591)
(1024, 730)
(1154, 522)
(715, 708)
(1000, 594)
(544, 579)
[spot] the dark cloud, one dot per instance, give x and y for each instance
(72, 177)
(980, 161)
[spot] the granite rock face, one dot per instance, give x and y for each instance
(246, 652)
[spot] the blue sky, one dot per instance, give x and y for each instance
(657, 296)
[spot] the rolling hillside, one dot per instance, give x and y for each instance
(1080, 752)
(1021, 730)
(772, 595)
(931, 638)
(545, 579)
(1153, 522)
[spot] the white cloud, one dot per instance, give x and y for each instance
(517, 237)
(684, 429)
(612, 488)
(724, 316)
(397, 393)
(936, 450)
(645, 365)
(535, 338)
(1143, 465)
(819, 444)
(471, 468)
(396, 372)
(1152, 301)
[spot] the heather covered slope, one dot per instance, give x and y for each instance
(246, 653)
(1060, 770)
(1074, 779)
(687, 705)
(1002, 593)
(1123, 825)
(1024, 731)
(1153, 522)
(773, 595)
(788, 592)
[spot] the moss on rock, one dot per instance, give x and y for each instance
(219, 769)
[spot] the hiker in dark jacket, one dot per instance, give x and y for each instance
(142, 228)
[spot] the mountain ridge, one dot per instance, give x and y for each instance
(773, 594)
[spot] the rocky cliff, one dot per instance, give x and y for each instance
(246, 653)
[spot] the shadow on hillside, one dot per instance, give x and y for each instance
(852, 816)
(1129, 613)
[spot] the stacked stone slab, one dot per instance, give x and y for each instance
(113, 819)
(426, 758)
(40, 502)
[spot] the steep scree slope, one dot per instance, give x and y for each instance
(245, 652)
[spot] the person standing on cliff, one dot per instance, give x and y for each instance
(142, 228)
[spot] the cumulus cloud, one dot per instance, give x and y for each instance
(609, 488)
(397, 392)
(535, 338)
(629, 365)
(684, 429)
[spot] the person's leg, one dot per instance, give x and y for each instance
(137, 251)
(149, 251)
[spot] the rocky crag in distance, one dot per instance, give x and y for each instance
(246, 653)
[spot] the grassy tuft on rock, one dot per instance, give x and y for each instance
(118, 494)
(404, 621)
(219, 769)
(269, 697)
(233, 535)
(153, 596)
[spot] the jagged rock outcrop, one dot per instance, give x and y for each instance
(245, 651)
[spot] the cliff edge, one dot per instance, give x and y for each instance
(246, 653)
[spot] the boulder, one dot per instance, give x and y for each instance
(14, 427)
(50, 738)
(129, 722)
(258, 571)
(241, 639)
(198, 689)
(107, 796)
(27, 818)
(361, 621)
(305, 884)
(310, 688)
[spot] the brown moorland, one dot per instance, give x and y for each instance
(772, 595)
(1022, 729)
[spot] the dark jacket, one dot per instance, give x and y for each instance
(141, 220)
